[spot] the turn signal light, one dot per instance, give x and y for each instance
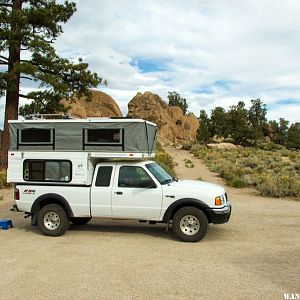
(218, 201)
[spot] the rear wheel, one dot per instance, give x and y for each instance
(80, 221)
(189, 224)
(53, 220)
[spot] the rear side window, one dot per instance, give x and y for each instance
(104, 176)
(47, 170)
(103, 136)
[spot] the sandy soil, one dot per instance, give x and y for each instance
(254, 256)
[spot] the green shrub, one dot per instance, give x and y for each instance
(189, 163)
(251, 162)
(278, 186)
(285, 152)
(297, 166)
(237, 183)
(295, 186)
(273, 173)
(166, 161)
(159, 147)
(187, 146)
(269, 146)
(3, 179)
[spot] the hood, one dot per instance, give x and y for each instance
(199, 185)
(194, 189)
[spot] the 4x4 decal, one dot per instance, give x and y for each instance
(29, 192)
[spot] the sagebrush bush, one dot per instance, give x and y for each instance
(166, 161)
(187, 146)
(189, 163)
(274, 171)
(277, 186)
(237, 183)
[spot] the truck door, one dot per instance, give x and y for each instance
(101, 190)
(135, 194)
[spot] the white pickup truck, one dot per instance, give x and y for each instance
(139, 190)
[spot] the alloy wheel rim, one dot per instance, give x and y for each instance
(189, 225)
(51, 220)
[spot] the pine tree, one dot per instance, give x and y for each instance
(293, 136)
(176, 100)
(31, 27)
(219, 122)
(238, 123)
(257, 118)
(203, 132)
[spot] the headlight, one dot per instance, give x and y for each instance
(220, 200)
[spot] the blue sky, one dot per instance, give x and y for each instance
(214, 53)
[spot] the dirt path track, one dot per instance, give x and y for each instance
(254, 256)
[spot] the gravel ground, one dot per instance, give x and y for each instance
(254, 256)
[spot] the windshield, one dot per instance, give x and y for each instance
(159, 173)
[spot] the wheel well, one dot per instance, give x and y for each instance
(51, 201)
(40, 203)
(174, 211)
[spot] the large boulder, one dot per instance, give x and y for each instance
(100, 105)
(221, 146)
(173, 126)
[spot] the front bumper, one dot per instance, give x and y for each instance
(220, 215)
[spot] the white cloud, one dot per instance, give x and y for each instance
(254, 44)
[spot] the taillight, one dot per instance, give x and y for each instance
(17, 194)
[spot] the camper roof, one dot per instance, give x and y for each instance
(92, 120)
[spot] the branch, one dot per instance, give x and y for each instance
(6, 5)
(2, 62)
(26, 77)
(24, 96)
(40, 38)
(3, 57)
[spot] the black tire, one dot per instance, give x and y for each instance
(53, 220)
(80, 221)
(189, 224)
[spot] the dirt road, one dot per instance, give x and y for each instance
(254, 256)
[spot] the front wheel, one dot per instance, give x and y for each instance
(53, 220)
(189, 224)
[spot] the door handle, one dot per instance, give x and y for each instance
(119, 193)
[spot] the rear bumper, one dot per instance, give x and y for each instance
(220, 215)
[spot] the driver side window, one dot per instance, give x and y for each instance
(134, 177)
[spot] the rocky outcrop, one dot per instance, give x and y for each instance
(221, 146)
(100, 105)
(173, 126)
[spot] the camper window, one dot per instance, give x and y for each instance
(47, 170)
(36, 136)
(103, 136)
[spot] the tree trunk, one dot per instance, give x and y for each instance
(13, 81)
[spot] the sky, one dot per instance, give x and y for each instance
(214, 53)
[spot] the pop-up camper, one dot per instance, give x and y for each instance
(72, 147)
